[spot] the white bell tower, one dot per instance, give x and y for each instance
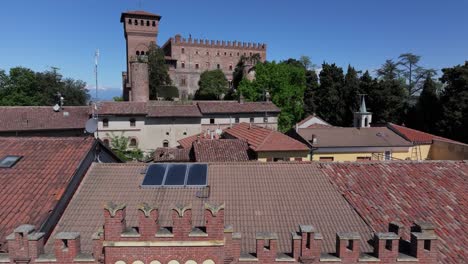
(362, 118)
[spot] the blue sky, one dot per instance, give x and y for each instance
(363, 33)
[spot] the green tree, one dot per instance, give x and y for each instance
(350, 93)
(120, 146)
(328, 97)
(213, 85)
(312, 85)
(426, 113)
(285, 85)
(389, 71)
(117, 99)
(159, 79)
(454, 100)
(413, 72)
(23, 86)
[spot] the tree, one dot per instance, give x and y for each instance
(117, 99)
(454, 100)
(119, 145)
(328, 99)
(159, 78)
(284, 83)
(23, 86)
(426, 113)
(350, 93)
(213, 85)
(413, 73)
(312, 85)
(389, 71)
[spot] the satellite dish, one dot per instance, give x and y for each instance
(91, 125)
(56, 108)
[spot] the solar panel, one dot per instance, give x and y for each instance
(197, 174)
(175, 174)
(155, 174)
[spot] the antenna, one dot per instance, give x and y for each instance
(96, 59)
(95, 103)
(91, 125)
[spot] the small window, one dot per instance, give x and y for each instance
(218, 66)
(196, 52)
(265, 120)
(212, 120)
(182, 50)
(154, 23)
(326, 159)
(9, 161)
(388, 155)
(147, 23)
(207, 53)
(130, 21)
(245, 54)
(197, 66)
(225, 53)
(230, 54)
(230, 67)
(236, 120)
(182, 65)
(250, 54)
(217, 53)
(183, 82)
(138, 53)
(165, 143)
(106, 142)
(167, 133)
(185, 133)
(252, 120)
(133, 142)
(132, 122)
(362, 159)
(136, 22)
(142, 53)
(142, 22)
(238, 54)
(105, 122)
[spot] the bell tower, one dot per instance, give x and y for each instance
(140, 29)
(362, 118)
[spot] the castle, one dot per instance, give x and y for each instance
(186, 58)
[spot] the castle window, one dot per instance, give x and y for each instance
(182, 50)
(136, 22)
(165, 144)
(238, 54)
(154, 23)
(142, 22)
(230, 54)
(183, 82)
(225, 53)
(133, 142)
(196, 52)
(105, 122)
(217, 53)
(182, 64)
(207, 53)
(138, 53)
(142, 53)
(130, 21)
(197, 66)
(132, 122)
(218, 66)
(230, 67)
(147, 23)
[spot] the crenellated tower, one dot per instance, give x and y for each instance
(140, 29)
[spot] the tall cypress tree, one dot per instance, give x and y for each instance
(309, 95)
(427, 109)
(350, 96)
(330, 105)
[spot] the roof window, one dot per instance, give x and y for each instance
(9, 161)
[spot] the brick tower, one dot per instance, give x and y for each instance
(141, 29)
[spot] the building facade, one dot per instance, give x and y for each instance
(186, 58)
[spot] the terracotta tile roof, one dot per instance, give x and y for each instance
(20, 118)
(263, 139)
(174, 111)
(33, 186)
(123, 108)
(416, 136)
(221, 150)
(188, 141)
(353, 137)
(171, 155)
(223, 107)
(410, 191)
(259, 197)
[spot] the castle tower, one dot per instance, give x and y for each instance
(141, 29)
(362, 118)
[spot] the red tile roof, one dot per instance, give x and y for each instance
(30, 189)
(221, 150)
(416, 136)
(263, 139)
(188, 141)
(259, 197)
(21, 118)
(171, 155)
(410, 191)
(174, 111)
(123, 108)
(223, 107)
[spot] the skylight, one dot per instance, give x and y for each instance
(9, 161)
(176, 175)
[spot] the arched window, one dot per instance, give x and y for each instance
(132, 122)
(154, 23)
(138, 53)
(142, 53)
(133, 142)
(366, 122)
(142, 22)
(105, 122)
(165, 144)
(129, 21)
(136, 22)
(147, 23)
(230, 67)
